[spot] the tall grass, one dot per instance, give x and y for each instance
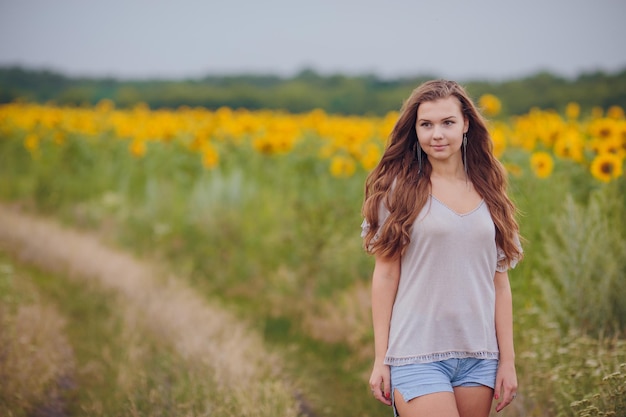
(585, 286)
(37, 363)
(567, 374)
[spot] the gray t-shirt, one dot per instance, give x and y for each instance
(445, 304)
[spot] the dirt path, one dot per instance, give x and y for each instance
(201, 332)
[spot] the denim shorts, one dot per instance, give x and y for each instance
(419, 379)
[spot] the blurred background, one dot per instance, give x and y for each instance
(205, 161)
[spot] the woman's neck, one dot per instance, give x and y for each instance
(448, 171)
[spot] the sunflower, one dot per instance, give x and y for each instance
(210, 157)
(514, 169)
(490, 104)
(58, 137)
(570, 144)
(370, 157)
(542, 164)
(31, 142)
(606, 166)
(572, 111)
(612, 145)
(615, 112)
(603, 128)
(342, 166)
(498, 137)
(137, 148)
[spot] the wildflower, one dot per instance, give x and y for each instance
(342, 166)
(490, 104)
(606, 166)
(542, 164)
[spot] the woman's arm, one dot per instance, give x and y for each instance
(384, 288)
(506, 380)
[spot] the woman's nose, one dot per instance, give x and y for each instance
(438, 133)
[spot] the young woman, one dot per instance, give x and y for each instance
(443, 233)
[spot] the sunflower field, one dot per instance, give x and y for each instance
(597, 142)
(261, 208)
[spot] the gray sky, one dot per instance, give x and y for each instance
(462, 39)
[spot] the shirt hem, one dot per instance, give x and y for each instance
(435, 357)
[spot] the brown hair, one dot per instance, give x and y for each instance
(399, 168)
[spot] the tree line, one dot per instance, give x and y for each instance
(305, 91)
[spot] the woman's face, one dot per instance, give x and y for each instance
(440, 126)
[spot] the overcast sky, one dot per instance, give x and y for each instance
(461, 39)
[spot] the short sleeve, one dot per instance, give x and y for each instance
(502, 265)
(383, 214)
(365, 228)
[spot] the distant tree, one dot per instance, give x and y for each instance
(307, 90)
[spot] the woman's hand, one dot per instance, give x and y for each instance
(506, 385)
(384, 288)
(380, 383)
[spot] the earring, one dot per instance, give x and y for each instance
(418, 151)
(465, 152)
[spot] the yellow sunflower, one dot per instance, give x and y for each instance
(370, 157)
(603, 128)
(210, 156)
(490, 104)
(342, 166)
(570, 144)
(615, 112)
(31, 142)
(514, 169)
(498, 137)
(137, 148)
(612, 145)
(572, 111)
(542, 164)
(606, 166)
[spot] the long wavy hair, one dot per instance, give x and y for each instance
(399, 169)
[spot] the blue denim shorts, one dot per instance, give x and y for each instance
(419, 379)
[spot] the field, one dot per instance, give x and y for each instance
(258, 213)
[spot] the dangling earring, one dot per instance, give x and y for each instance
(418, 151)
(465, 152)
